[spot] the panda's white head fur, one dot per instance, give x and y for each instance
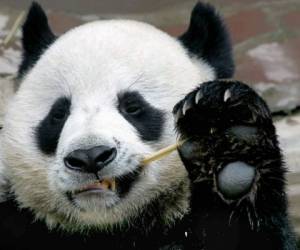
(104, 90)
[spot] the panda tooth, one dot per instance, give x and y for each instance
(198, 96)
(227, 95)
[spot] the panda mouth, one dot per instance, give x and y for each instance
(120, 185)
(102, 185)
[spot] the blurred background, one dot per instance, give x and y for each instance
(265, 34)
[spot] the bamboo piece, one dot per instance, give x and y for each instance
(14, 29)
(109, 184)
(113, 185)
(161, 153)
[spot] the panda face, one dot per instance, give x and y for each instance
(91, 105)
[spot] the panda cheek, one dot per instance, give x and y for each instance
(49, 129)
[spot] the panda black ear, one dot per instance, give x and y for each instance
(37, 36)
(207, 38)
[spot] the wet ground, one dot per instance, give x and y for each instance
(266, 37)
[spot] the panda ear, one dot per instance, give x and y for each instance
(37, 36)
(207, 38)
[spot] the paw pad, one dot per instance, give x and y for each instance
(235, 179)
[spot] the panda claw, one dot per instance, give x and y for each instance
(198, 96)
(186, 106)
(177, 115)
(227, 95)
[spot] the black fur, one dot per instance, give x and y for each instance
(142, 115)
(49, 129)
(259, 219)
(37, 37)
(207, 38)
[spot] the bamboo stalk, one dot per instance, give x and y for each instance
(14, 29)
(161, 153)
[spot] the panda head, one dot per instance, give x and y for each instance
(92, 104)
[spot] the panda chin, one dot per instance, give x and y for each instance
(107, 191)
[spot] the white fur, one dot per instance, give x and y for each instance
(3, 179)
(91, 64)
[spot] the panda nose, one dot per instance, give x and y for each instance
(90, 160)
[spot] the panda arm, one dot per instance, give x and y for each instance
(235, 166)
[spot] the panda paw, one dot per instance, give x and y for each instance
(229, 137)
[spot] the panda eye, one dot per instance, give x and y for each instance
(58, 115)
(146, 119)
(49, 129)
(131, 104)
(60, 111)
(133, 109)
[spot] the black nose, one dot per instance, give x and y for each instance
(91, 160)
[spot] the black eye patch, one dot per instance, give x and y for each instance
(49, 129)
(147, 120)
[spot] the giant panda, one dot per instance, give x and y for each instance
(95, 101)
